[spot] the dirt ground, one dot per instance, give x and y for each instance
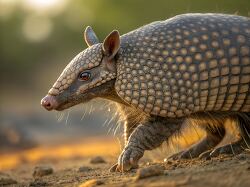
(233, 171)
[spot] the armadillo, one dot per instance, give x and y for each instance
(192, 68)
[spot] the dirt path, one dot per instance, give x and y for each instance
(224, 171)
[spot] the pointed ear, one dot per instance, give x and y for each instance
(90, 36)
(111, 44)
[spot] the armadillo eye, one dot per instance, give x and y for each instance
(84, 76)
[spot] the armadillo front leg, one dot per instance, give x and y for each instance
(146, 137)
(132, 119)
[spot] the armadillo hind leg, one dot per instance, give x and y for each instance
(146, 136)
(243, 123)
(213, 137)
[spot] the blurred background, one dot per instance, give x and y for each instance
(37, 40)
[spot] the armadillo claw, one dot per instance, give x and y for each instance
(186, 154)
(113, 168)
(128, 159)
(228, 149)
(206, 155)
(175, 156)
(232, 148)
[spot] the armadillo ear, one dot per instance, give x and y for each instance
(111, 44)
(90, 36)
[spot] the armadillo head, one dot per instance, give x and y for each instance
(90, 74)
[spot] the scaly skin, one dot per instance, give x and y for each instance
(186, 64)
(192, 66)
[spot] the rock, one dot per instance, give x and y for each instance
(5, 179)
(91, 183)
(97, 160)
(40, 171)
(150, 171)
(84, 169)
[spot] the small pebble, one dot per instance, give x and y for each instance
(97, 160)
(168, 161)
(166, 172)
(5, 179)
(150, 171)
(84, 169)
(91, 183)
(40, 171)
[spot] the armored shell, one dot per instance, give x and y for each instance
(186, 64)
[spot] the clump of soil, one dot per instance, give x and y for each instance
(84, 169)
(97, 160)
(149, 171)
(41, 171)
(6, 179)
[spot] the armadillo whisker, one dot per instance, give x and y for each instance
(118, 126)
(110, 120)
(195, 129)
(84, 113)
(246, 131)
(67, 118)
(245, 142)
(105, 122)
(232, 149)
(60, 116)
(90, 109)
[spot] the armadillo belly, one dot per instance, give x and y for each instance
(187, 64)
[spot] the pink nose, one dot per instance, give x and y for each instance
(49, 102)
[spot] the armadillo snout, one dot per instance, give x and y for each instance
(49, 102)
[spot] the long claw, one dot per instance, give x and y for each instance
(205, 155)
(113, 168)
(229, 149)
(127, 160)
(175, 156)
